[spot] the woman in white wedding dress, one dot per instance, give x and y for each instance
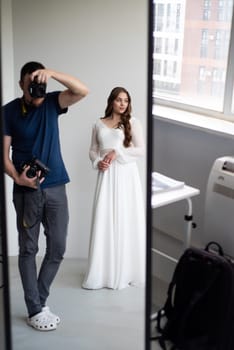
(117, 241)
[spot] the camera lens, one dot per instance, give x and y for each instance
(37, 90)
(31, 172)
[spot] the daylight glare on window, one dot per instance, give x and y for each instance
(191, 47)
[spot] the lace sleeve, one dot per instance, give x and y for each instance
(94, 153)
(137, 148)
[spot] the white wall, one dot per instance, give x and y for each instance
(186, 154)
(104, 43)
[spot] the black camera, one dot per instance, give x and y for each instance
(37, 90)
(35, 166)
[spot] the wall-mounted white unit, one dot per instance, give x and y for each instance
(219, 206)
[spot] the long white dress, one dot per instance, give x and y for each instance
(118, 228)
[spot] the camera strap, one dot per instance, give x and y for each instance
(24, 109)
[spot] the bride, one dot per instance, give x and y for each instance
(117, 240)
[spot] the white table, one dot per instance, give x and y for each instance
(171, 196)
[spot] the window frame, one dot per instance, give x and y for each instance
(227, 112)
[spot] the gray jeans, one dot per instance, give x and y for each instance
(48, 207)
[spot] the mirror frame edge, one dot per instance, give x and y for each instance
(148, 292)
(3, 236)
(7, 317)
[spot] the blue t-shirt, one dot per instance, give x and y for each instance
(36, 134)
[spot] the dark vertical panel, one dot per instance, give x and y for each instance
(3, 239)
(149, 171)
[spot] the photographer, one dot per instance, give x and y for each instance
(39, 174)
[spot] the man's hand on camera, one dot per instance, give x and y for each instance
(24, 180)
(42, 75)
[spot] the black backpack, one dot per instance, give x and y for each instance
(199, 310)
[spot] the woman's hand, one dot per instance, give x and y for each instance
(109, 157)
(107, 160)
(103, 165)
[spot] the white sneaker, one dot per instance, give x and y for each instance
(46, 309)
(42, 322)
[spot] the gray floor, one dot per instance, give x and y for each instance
(102, 319)
(159, 290)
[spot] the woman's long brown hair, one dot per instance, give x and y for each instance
(125, 117)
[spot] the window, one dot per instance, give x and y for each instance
(158, 45)
(218, 81)
(168, 15)
(204, 43)
(157, 67)
(194, 56)
(178, 16)
(207, 10)
(160, 16)
(176, 46)
(206, 14)
(166, 46)
(165, 68)
(221, 44)
(202, 73)
(224, 12)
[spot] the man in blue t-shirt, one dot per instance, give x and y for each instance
(37, 168)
